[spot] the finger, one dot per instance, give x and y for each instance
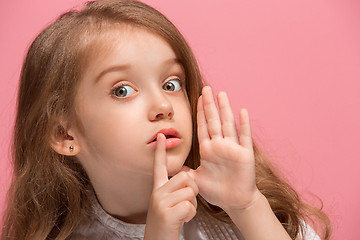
(184, 211)
(245, 129)
(211, 113)
(183, 194)
(203, 133)
(180, 180)
(160, 168)
(189, 171)
(227, 118)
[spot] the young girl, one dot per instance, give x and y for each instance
(114, 129)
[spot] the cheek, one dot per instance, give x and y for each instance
(113, 130)
(115, 148)
(185, 118)
(107, 129)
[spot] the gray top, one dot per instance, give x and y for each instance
(102, 226)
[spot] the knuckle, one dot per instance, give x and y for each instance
(188, 206)
(190, 192)
(183, 175)
(196, 190)
(195, 203)
(190, 209)
(193, 212)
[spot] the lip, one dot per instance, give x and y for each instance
(170, 142)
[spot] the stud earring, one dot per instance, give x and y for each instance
(71, 148)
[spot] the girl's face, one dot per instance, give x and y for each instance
(127, 95)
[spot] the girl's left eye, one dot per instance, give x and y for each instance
(172, 85)
(123, 91)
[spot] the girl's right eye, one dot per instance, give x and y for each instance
(123, 91)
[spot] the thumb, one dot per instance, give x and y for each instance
(189, 171)
(160, 162)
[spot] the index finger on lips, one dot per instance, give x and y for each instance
(160, 167)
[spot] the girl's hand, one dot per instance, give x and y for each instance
(226, 176)
(172, 202)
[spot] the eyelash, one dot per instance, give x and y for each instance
(175, 78)
(122, 84)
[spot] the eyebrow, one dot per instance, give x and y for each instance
(118, 68)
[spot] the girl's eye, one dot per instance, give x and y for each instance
(123, 91)
(172, 85)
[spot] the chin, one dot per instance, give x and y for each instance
(173, 173)
(175, 161)
(174, 169)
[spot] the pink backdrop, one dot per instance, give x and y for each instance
(294, 64)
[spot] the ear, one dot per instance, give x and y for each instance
(64, 142)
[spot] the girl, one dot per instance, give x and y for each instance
(114, 129)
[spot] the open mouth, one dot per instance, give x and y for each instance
(169, 133)
(167, 137)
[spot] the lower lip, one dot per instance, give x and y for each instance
(169, 143)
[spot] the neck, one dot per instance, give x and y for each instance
(126, 197)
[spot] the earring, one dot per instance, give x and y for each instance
(71, 148)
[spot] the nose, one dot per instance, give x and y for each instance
(160, 108)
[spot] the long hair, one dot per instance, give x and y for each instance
(50, 193)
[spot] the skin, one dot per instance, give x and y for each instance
(114, 151)
(226, 176)
(113, 148)
(225, 155)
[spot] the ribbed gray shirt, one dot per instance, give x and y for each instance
(102, 226)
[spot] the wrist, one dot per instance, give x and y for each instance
(249, 205)
(257, 213)
(255, 209)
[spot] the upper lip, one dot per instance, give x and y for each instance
(168, 132)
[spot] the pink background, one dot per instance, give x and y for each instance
(294, 64)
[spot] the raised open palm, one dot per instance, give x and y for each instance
(226, 176)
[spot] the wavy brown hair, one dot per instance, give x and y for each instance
(49, 193)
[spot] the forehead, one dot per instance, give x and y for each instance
(127, 42)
